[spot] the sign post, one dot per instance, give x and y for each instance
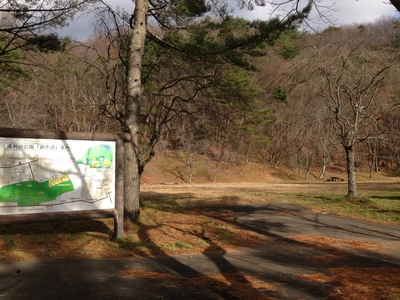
(55, 176)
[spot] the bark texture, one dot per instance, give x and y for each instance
(351, 171)
(132, 121)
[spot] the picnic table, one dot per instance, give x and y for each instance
(334, 178)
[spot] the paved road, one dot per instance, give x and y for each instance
(231, 275)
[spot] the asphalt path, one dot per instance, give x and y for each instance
(279, 261)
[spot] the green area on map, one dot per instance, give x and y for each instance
(99, 156)
(31, 193)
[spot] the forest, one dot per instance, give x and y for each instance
(223, 88)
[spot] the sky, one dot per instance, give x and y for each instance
(347, 12)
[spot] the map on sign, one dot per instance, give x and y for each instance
(43, 175)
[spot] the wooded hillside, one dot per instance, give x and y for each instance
(304, 101)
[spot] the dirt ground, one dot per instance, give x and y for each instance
(243, 192)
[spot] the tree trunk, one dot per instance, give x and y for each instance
(351, 172)
(374, 166)
(220, 162)
(191, 167)
(323, 170)
(309, 164)
(325, 161)
(132, 120)
(396, 4)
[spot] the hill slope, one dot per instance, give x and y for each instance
(166, 169)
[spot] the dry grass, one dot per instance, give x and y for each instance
(366, 283)
(353, 283)
(158, 233)
(164, 168)
(338, 245)
(236, 284)
(361, 283)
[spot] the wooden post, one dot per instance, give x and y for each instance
(119, 191)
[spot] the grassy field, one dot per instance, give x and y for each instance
(377, 206)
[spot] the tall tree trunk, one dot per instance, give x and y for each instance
(325, 159)
(323, 169)
(220, 162)
(372, 148)
(310, 160)
(132, 121)
(351, 171)
(396, 3)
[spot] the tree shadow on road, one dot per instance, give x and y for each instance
(273, 270)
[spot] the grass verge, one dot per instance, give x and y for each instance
(374, 206)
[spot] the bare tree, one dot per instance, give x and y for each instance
(189, 144)
(352, 82)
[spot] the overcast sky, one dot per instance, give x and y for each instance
(348, 12)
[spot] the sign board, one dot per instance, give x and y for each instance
(53, 175)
